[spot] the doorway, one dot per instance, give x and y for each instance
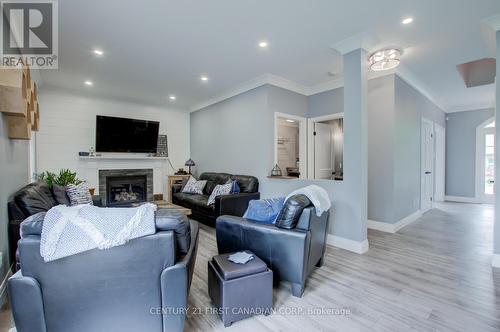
(485, 162)
(326, 147)
(427, 165)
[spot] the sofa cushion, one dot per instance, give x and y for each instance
(195, 202)
(79, 194)
(247, 183)
(291, 211)
(213, 179)
(35, 197)
(219, 190)
(33, 224)
(194, 186)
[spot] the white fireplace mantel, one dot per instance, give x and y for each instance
(89, 168)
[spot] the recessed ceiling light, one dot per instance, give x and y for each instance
(98, 52)
(88, 83)
(263, 44)
(204, 78)
(172, 97)
(407, 20)
(291, 121)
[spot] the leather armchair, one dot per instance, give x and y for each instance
(291, 254)
(140, 286)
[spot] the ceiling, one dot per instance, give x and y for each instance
(156, 48)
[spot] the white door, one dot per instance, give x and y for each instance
(487, 165)
(427, 165)
(322, 151)
(440, 175)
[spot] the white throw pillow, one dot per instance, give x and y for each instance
(219, 190)
(79, 194)
(194, 187)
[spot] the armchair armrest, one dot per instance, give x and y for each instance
(27, 304)
(175, 283)
(176, 188)
(234, 204)
(96, 200)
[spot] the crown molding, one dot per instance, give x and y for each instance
(407, 75)
(470, 107)
(364, 40)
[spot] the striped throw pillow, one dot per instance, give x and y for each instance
(79, 194)
(219, 190)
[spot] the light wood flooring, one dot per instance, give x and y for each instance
(433, 275)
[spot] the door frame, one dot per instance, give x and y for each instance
(422, 180)
(480, 131)
(439, 150)
(310, 138)
(302, 140)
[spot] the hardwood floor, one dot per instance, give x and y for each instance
(433, 275)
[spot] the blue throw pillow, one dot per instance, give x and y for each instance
(235, 189)
(264, 210)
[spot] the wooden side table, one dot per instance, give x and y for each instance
(173, 179)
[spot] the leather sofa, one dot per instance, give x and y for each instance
(233, 204)
(142, 285)
(292, 254)
(27, 201)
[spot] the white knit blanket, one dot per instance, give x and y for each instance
(69, 230)
(317, 195)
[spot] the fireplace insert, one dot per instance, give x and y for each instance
(126, 190)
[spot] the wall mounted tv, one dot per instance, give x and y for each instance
(125, 135)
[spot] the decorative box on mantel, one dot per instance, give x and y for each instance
(89, 168)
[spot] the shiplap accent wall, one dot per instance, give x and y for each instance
(68, 126)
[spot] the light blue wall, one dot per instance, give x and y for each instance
(14, 174)
(461, 151)
(410, 107)
(497, 154)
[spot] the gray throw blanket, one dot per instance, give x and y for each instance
(69, 230)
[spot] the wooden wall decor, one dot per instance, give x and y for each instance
(19, 102)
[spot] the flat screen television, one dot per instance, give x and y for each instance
(125, 135)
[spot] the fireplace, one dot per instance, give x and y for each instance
(125, 187)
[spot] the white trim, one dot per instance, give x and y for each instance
(348, 244)
(393, 228)
(440, 155)
(409, 77)
(480, 197)
(364, 40)
(310, 141)
(495, 260)
(460, 199)
(471, 107)
(302, 140)
(287, 84)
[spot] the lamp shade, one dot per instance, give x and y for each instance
(190, 162)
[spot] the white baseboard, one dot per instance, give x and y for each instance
(347, 244)
(461, 199)
(495, 261)
(393, 228)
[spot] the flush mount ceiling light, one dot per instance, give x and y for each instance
(88, 83)
(172, 97)
(385, 59)
(204, 78)
(263, 44)
(291, 121)
(407, 20)
(98, 52)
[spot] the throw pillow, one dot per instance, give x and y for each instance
(235, 188)
(264, 210)
(79, 194)
(60, 194)
(290, 214)
(194, 187)
(219, 190)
